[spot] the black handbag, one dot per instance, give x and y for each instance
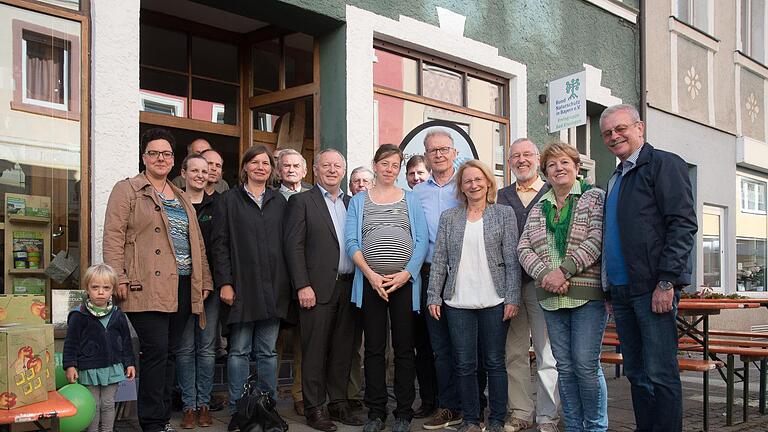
(256, 411)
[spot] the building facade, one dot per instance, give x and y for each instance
(289, 74)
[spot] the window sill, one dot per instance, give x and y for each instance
(750, 63)
(50, 112)
(693, 34)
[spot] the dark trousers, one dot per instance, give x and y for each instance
(376, 312)
(425, 358)
(159, 334)
(649, 347)
(327, 333)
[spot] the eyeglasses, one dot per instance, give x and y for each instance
(154, 154)
(468, 182)
(620, 129)
(526, 155)
(442, 150)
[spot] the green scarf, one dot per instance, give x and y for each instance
(559, 227)
(98, 311)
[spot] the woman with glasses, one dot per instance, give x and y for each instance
(386, 237)
(152, 238)
(474, 284)
(560, 248)
(250, 273)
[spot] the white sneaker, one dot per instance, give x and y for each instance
(547, 427)
(514, 424)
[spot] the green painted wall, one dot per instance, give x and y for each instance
(333, 92)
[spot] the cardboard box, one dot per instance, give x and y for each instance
(48, 359)
(22, 370)
(22, 309)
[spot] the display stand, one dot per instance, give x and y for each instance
(27, 244)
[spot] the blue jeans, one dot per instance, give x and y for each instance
(468, 327)
(262, 337)
(440, 339)
(649, 347)
(196, 356)
(576, 336)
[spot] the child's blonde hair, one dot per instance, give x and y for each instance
(103, 271)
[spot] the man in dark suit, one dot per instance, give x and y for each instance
(322, 277)
(529, 324)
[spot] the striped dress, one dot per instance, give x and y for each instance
(387, 242)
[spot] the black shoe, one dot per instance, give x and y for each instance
(317, 420)
(356, 405)
(233, 426)
(424, 411)
(342, 413)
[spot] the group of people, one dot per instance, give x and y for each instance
(461, 276)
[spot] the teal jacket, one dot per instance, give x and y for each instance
(353, 239)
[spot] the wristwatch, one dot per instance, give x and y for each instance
(665, 285)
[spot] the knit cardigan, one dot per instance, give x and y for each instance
(582, 258)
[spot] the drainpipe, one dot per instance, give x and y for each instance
(643, 88)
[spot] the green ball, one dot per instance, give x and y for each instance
(83, 400)
(61, 375)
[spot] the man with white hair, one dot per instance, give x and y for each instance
(292, 168)
(360, 179)
(529, 323)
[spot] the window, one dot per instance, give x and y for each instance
(750, 264)
(713, 229)
(46, 77)
(694, 13)
(753, 198)
(752, 32)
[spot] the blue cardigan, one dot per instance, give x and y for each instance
(353, 238)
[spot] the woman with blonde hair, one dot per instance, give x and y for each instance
(474, 284)
(560, 248)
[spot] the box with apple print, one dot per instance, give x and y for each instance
(23, 374)
(22, 309)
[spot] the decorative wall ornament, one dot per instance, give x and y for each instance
(753, 109)
(693, 82)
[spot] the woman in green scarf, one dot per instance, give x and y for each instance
(560, 248)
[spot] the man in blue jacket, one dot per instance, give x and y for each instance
(649, 233)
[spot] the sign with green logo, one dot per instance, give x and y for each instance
(567, 102)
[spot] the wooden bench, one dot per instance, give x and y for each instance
(743, 334)
(685, 364)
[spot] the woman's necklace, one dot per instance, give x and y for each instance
(162, 191)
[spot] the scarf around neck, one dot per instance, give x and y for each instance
(559, 226)
(96, 311)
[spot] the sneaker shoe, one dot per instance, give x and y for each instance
(548, 427)
(495, 427)
(168, 428)
(401, 425)
(469, 427)
(443, 418)
(373, 425)
(514, 424)
(233, 425)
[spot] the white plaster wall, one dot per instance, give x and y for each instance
(713, 152)
(363, 26)
(114, 104)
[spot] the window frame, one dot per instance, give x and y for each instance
(745, 32)
(744, 195)
(765, 251)
(693, 18)
(70, 109)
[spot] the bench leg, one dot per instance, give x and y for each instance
(745, 382)
(763, 364)
(729, 391)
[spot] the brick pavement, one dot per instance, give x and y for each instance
(620, 413)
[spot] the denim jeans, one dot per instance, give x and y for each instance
(440, 339)
(649, 347)
(262, 337)
(468, 327)
(196, 356)
(576, 336)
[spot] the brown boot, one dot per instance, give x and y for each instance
(204, 419)
(188, 422)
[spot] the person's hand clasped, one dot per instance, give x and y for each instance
(377, 282)
(307, 299)
(434, 310)
(662, 300)
(227, 294)
(396, 280)
(510, 311)
(554, 282)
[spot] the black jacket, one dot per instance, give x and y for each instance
(204, 210)
(657, 220)
(90, 346)
(247, 253)
(311, 247)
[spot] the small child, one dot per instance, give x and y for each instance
(98, 345)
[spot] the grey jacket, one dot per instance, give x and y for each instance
(500, 233)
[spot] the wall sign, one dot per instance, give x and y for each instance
(567, 102)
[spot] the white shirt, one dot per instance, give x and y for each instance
(474, 285)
